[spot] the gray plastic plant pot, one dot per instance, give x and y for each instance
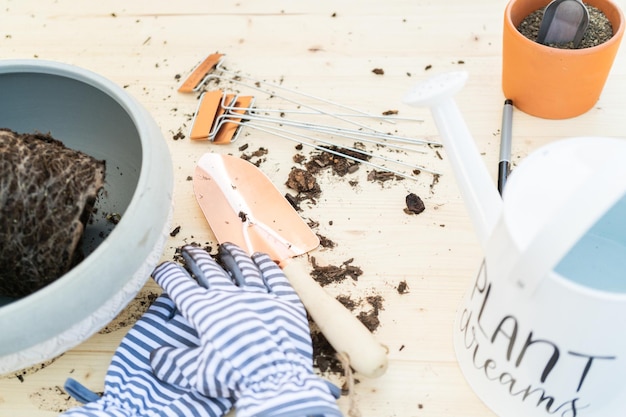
(91, 114)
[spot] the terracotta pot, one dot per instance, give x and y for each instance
(555, 83)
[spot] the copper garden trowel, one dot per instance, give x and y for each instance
(242, 206)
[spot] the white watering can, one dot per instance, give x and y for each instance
(540, 331)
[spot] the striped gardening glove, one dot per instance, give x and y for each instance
(255, 342)
(130, 387)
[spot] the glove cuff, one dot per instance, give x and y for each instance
(297, 397)
(80, 392)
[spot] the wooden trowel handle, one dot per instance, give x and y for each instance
(340, 327)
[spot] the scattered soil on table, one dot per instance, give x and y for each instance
(370, 318)
(53, 399)
(382, 176)
(178, 135)
(175, 231)
(598, 31)
(325, 242)
(178, 257)
(303, 181)
(333, 274)
(305, 184)
(348, 302)
(324, 355)
(403, 287)
(414, 204)
(256, 158)
(334, 158)
(313, 223)
(132, 312)
(434, 182)
(294, 201)
(341, 162)
(23, 373)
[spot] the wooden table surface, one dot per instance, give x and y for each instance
(329, 48)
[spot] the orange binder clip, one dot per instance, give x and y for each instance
(205, 114)
(219, 116)
(199, 73)
(229, 124)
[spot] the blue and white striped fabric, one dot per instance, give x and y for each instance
(255, 343)
(131, 388)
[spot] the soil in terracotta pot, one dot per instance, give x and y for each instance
(598, 31)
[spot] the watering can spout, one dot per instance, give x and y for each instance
(476, 185)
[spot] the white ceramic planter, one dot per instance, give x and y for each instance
(92, 114)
